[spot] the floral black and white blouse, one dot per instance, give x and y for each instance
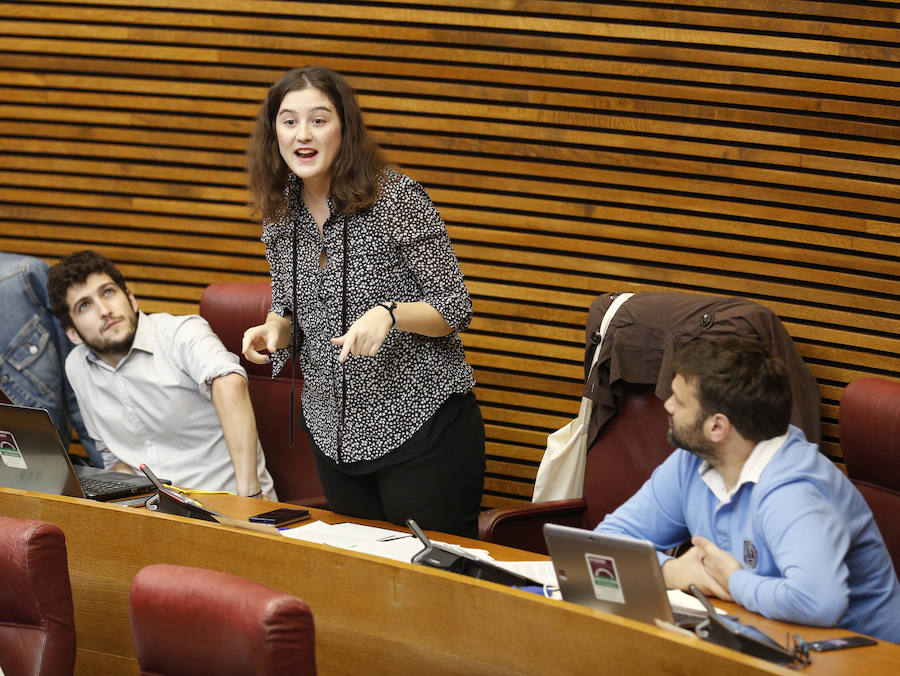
(398, 251)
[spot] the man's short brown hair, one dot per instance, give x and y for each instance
(741, 379)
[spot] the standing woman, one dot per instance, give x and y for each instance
(367, 291)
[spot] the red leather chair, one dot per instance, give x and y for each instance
(622, 457)
(188, 621)
(869, 418)
(231, 308)
(37, 623)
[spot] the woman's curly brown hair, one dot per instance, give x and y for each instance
(356, 170)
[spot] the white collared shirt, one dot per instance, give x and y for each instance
(753, 467)
(155, 405)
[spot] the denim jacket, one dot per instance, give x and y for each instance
(33, 348)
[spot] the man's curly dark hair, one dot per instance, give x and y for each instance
(75, 269)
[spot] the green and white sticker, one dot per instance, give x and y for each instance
(9, 451)
(605, 578)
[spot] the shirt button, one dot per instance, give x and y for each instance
(33, 349)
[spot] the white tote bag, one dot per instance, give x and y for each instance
(561, 472)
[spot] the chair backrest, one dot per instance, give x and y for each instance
(37, 622)
(188, 621)
(231, 308)
(625, 453)
(869, 416)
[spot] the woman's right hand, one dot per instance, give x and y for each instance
(260, 341)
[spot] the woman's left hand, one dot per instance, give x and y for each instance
(366, 335)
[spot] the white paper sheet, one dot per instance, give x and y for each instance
(540, 571)
(391, 544)
(680, 600)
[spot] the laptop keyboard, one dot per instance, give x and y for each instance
(98, 486)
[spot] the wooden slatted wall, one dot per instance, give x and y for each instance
(733, 147)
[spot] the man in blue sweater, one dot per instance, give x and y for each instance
(776, 527)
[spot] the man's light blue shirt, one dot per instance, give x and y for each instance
(807, 542)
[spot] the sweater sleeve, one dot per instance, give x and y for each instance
(808, 541)
(655, 512)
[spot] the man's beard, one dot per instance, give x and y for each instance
(693, 440)
(102, 347)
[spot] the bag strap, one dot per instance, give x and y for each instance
(618, 301)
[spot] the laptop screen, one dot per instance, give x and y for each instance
(32, 457)
(611, 573)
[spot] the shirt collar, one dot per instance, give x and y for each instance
(753, 468)
(143, 340)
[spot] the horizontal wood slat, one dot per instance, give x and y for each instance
(723, 147)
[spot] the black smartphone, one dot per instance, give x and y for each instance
(841, 643)
(279, 517)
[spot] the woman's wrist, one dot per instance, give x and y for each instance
(390, 306)
(282, 328)
(277, 319)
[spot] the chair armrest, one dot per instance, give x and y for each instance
(522, 527)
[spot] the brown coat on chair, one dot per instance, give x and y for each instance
(647, 330)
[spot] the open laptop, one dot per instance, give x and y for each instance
(33, 458)
(612, 573)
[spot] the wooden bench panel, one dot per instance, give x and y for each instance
(572, 148)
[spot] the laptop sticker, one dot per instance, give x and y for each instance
(9, 451)
(605, 578)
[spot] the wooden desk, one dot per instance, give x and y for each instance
(375, 616)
